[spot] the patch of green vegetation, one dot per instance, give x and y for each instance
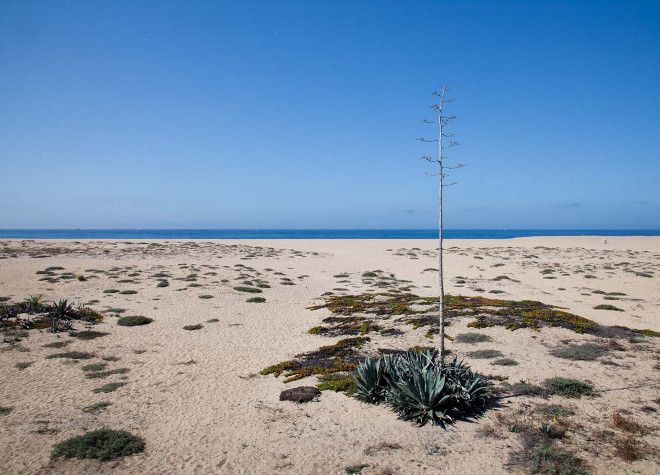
(583, 352)
(5, 410)
(199, 326)
(163, 283)
(98, 407)
(643, 274)
(74, 355)
(108, 388)
(110, 358)
(94, 367)
(88, 335)
(279, 368)
(608, 307)
(58, 344)
(471, 338)
(484, 354)
(505, 362)
(256, 300)
(205, 297)
(548, 459)
(252, 290)
(554, 410)
(338, 382)
(337, 358)
(111, 291)
(652, 333)
(22, 366)
(569, 387)
(355, 468)
(104, 444)
(134, 320)
(128, 292)
(212, 320)
(105, 374)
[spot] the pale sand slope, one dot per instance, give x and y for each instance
(217, 415)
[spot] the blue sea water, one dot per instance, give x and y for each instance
(308, 233)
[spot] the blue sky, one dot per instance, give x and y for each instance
(299, 114)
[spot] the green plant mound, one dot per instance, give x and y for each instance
(104, 444)
(419, 388)
(134, 320)
(251, 290)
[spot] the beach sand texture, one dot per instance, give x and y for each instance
(198, 400)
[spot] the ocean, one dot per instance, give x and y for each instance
(308, 233)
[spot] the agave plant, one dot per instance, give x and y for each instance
(62, 309)
(369, 382)
(33, 304)
(421, 389)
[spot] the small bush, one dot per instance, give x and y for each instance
(105, 374)
(58, 344)
(206, 297)
(111, 291)
(134, 320)
(128, 292)
(22, 366)
(104, 444)
(484, 354)
(252, 290)
(5, 410)
(212, 320)
(472, 338)
(88, 335)
(163, 283)
(505, 362)
(74, 355)
(569, 387)
(583, 352)
(256, 300)
(99, 406)
(94, 367)
(608, 307)
(199, 326)
(108, 388)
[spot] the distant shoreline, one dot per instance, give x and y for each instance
(310, 233)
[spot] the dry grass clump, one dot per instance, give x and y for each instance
(628, 424)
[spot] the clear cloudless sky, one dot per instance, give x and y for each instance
(305, 114)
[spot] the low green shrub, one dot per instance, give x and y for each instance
(256, 300)
(471, 338)
(134, 320)
(569, 387)
(485, 354)
(583, 352)
(104, 444)
(252, 290)
(74, 355)
(199, 326)
(108, 388)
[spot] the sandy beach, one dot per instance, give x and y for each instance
(197, 397)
